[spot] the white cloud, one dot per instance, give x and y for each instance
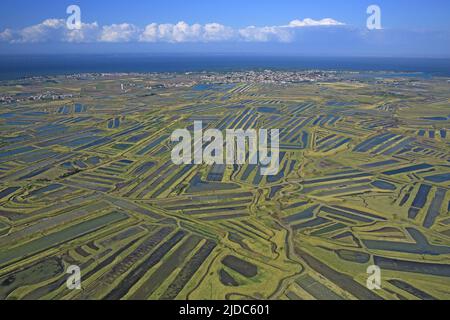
(183, 32)
(124, 32)
(180, 32)
(89, 32)
(265, 34)
(55, 30)
(47, 30)
(217, 32)
(6, 35)
(283, 33)
(52, 30)
(314, 23)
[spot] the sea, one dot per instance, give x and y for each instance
(23, 66)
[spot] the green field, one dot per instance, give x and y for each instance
(86, 179)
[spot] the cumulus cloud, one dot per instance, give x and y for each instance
(314, 23)
(124, 32)
(55, 30)
(183, 32)
(42, 32)
(52, 30)
(284, 33)
(88, 32)
(180, 32)
(265, 34)
(218, 32)
(6, 35)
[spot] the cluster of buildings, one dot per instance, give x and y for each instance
(7, 99)
(270, 77)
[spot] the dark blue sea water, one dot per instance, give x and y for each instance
(19, 66)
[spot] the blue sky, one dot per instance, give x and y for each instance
(431, 14)
(410, 28)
